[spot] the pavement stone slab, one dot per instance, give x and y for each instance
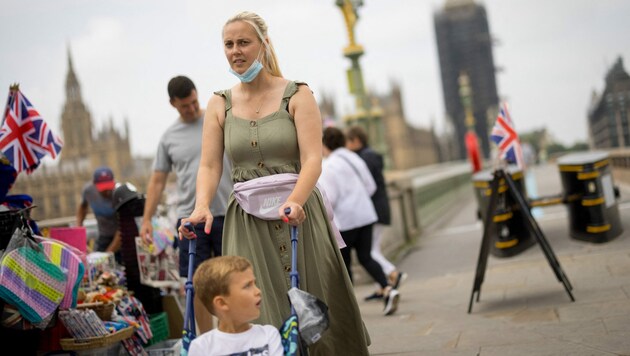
(545, 348)
(617, 324)
(594, 310)
(617, 343)
(559, 329)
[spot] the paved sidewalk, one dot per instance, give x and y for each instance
(523, 309)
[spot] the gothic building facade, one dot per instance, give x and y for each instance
(406, 146)
(609, 112)
(56, 189)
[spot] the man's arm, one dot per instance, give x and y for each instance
(154, 194)
(81, 213)
(114, 246)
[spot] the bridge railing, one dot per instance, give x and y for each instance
(417, 197)
(620, 161)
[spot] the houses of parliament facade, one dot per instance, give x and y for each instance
(56, 190)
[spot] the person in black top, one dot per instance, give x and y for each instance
(357, 141)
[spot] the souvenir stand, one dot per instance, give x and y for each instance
(54, 297)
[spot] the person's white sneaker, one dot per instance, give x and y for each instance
(400, 278)
(391, 302)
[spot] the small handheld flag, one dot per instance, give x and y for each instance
(25, 137)
(506, 138)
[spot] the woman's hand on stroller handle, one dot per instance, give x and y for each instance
(187, 230)
(285, 218)
(292, 213)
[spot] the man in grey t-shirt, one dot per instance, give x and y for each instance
(179, 151)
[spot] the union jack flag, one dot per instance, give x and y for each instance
(25, 137)
(504, 135)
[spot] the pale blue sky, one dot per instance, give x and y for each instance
(554, 53)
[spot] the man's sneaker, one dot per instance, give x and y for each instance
(391, 302)
(374, 296)
(402, 276)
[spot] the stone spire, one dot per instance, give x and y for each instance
(76, 121)
(73, 89)
(617, 72)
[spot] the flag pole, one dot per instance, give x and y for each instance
(15, 87)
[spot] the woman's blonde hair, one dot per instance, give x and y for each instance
(269, 61)
(212, 277)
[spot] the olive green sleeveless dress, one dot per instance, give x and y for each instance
(268, 146)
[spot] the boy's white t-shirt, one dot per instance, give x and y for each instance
(259, 340)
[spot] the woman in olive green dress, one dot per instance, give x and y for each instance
(269, 125)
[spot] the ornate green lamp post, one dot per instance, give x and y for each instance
(367, 115)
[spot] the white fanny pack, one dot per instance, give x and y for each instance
(262, 197)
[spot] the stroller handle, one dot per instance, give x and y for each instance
(295, 278)
(192, 250)
(189, 332)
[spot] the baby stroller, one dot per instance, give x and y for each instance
(309, 315)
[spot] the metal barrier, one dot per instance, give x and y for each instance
(590, 196)
(588, 192)
(509, 234)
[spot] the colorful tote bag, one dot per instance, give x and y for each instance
(29, 281)
(62, 256)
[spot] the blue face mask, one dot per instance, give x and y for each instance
(250, 73)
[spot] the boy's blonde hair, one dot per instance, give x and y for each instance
(212, 277)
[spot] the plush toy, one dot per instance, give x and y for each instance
(107, 279)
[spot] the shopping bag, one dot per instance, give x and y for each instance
(28, 280)
(66, 258)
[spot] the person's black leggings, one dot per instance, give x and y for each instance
(361, 240)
